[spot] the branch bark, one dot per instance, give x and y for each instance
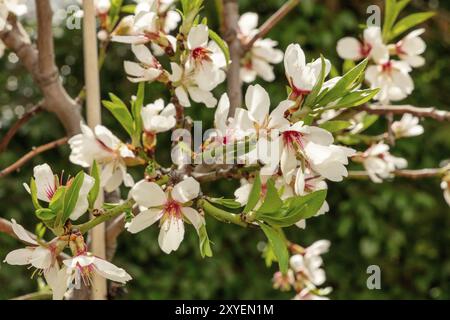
(271, 22)
(19, 123)
(411, 174)
(37, 150)
(41, 65)
(431, 112)
(234, 83)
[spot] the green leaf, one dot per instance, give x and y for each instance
(254, 195)
(221, 43)
(129, 8)
(311, 98)
(295, 209)
(93, 194)
(390, 15)
(278, 244)
(344, 85)
(114, 12)
(136, 108)
(410, 22)
(354, 99)
(71, 197)
(46, 215)
(272, 201)
(57, 202)
(348, 65)
(335, 125)
(228, 203)
(120, 111)
(33, 192)
(205, 248)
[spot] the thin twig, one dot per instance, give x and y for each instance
(431, 112)
(30, 155)
(271, 22)
(410, 174)
(16, 126)
(41, 295)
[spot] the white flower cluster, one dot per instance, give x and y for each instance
(389, 74)
(305, 273)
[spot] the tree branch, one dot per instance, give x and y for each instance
(42, 67)
(34, 152)
(234, 83)
(411, 174)
(440, 115)
(271, 22)
(16, 126)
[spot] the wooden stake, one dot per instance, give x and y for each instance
(93, 115)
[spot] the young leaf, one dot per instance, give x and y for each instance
(272, 201)
(46, 215)
(93, 194)
(137, 107)
(344, 85)
(390, 15)
(335, 125)
(129, 8)
(222, 45)
(311, 98)
(205, 248)
(33, 192)
(71, 197)
(410, 22)
(228, 203)
(355, 98)
(278, 244)
(295, 209)
(254, 196)
(120, 111)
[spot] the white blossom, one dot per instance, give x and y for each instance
(445, 186)
(372, 46)
(393, 79)
(379, 163)
(109, 152)
(408, 126)
(410, 48)
(310, 262)
(147, 69)
(262, 55)
(170, 208)
(48, 183)
(158, 118)
(81, 268)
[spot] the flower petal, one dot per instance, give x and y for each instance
(186, 190)
(21, 233)
(148, 194)
(144, 220)
(171, 234)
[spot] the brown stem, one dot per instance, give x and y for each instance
(234, 83)
(34, 152)
(271, 22)
(40, 64)
(411, 174)
(431, 112)
(16, 126)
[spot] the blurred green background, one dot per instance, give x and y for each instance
(402, 225)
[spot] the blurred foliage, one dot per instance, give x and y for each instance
(400, 225)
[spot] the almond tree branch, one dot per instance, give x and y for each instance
(40, 64)
(234, 83)
(271, 22)
(34, 152)
(411, 174)
(16, 126)
(440, 115)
